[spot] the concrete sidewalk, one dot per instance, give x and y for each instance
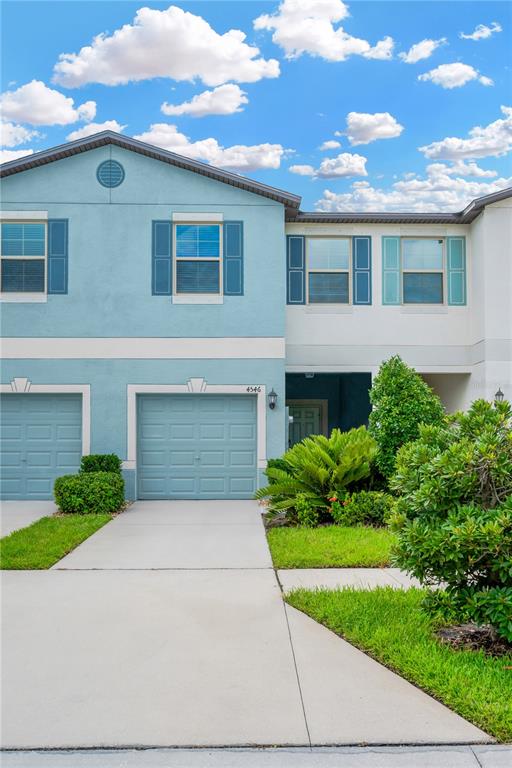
(154, 636)
(19, 514)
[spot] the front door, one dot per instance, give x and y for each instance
(308, 419)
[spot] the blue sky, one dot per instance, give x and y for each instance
(260, 87)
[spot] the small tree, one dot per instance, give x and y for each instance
(401, 402)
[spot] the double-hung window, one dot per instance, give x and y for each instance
(328, 270)
(198, 263)
(23, 257)
(422, 271)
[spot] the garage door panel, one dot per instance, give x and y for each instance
(210, 441)
(40, 439)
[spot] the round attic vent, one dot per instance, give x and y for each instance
(110, 173)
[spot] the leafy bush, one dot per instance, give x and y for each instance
(454, 515)
(467, 459)
(307, 515)
(319, 468)
(101, 462)
(363, 508)
(89, 492)
(276, 464)
(401, 402)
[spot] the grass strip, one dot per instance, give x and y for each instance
(45, 542)
(330, 546)
(391, 627)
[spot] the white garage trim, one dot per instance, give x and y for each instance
(22, 385)
(197, 386)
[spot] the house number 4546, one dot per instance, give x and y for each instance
(253, 389)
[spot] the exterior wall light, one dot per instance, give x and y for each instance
(272, 399)
(499, 396)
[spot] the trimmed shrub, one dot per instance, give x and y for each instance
(363, 508)
(89, 492)
(401, 402)
(320, 467)
(101, 462)
(307, 515)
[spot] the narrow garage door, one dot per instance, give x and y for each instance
(40, 439)
(196, 446)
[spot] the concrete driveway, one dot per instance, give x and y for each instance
(19, 514)
(167, 628)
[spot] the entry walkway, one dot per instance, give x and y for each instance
(167, 628)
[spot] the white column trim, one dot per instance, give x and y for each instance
(197, 386)
(21, 385)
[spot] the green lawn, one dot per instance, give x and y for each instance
(389, 625)
(46, 541)
(330, 547)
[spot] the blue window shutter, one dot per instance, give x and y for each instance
(233, 258)
(456, 270)
(391, 291)
(296, 269)
(57, 255)
(362, 269)
(161, 249)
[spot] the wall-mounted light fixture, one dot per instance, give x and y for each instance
(272, 399)
(499, 396)
(309, 375)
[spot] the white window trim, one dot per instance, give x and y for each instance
(197, 298)
(197, 218)
(24, 215)
(196, 386)
(22, 385)
(403, 271)
(334, 271)
(21, 297)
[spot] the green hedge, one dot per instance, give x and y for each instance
(89, 492)
(101, 462)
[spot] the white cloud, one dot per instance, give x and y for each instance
(438, 191)
(307, 26)
(6, 155)
(170, 43)
(36, 104)
(454, 75)
(363, 128)
(330, 144)
(302, 170)
(422, 50)
(460, 168)
(481, 31)
(493, 140)
(343, 165)
(223, 100)
(239, 156)
(92, 128)
(11, 135)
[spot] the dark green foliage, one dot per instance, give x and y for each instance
(90, 492)
(454, 514)
(101, 462)
(276, 464)
(307, 515)
(363, 508)
(319, 468)
(401, 401)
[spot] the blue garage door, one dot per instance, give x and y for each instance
(40, 439)
(196, 446)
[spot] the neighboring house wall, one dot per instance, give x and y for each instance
(108, 331)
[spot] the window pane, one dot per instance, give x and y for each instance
(199, 241)
(422, 254)
(25, 276)
(197, 277)
(423, 287)
(23, 239)
(328, 287)
(328, 253)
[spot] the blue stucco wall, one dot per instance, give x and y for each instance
(110, 251)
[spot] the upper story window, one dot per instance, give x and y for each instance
(423, 271)
(198, 264)
(23, 257)
(328, 270)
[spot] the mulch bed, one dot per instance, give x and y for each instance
(471, 637)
